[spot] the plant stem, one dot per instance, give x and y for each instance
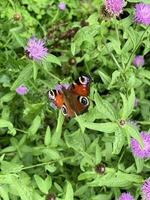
(52, 75)
(17, 129)
(113, 57)
(45, 163)
(136, 47)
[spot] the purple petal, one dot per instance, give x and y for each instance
(114, 7)
(146, 189)
(126, 196)
(138, 61)
(137, 150)
(21, 90)
(35, 49)
(142, 13)
(62, 6)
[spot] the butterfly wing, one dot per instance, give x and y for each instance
(78, 92)
(60, 101)
(72, 99)
(81, 86)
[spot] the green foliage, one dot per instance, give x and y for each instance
(42, 153)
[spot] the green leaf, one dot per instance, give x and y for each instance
(118, 142)
(144, 73)
(87, 175)
(48, 182)
(6, 124)
(138, 1)
(131, 101)
(75, 140)
(105, 78)
(73, 48)
(128, 105)
(134, 133)
(132, 36)
(35, 70)
(98, 154)
(102, 196)
(52, 59)
(18, 186)
(47, 138)
(51, 168)
(93, 19)
(57, 134)
(34, 126)
(58, 187)
(43, 185)
(104, 108)
(114, 80)
(124, 111)
(69, 192)
(131, 82)
(115, 42)
(32, 110)
(24, 75)
(108, 127)
(4, 192)
(51, 154)
(81, 190)
(118, 179)
(7, 97)
(139, 164)
(10, 167)
(85, 34)
(17, 36)
(80, 120)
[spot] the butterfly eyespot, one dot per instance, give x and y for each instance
(64, 110)
(83, 80)
(84, 100)
(52, 94)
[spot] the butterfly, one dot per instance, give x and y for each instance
(71, 99)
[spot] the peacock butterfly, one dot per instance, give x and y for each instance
(71, 99)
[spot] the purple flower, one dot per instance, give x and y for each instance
(126, 196)
(138, 61)
(142, 13)
(60, 87)
(114, 7)
(137, 150)
(146, 189)
(21, 90)
(62, 6)
(35, 49)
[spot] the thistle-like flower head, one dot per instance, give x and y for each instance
(114, 7)
(126, 196)
(142, 13)
(138, 61)
(146, 189)
(21, 90)
(35, 49)
(137, 150)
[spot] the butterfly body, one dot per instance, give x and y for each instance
(72, 99)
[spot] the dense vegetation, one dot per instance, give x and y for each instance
(44, 155)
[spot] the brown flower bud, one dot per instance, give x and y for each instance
(72, 61)
(17, 16)
(50, 196)
(100, 168)
(122, 122)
